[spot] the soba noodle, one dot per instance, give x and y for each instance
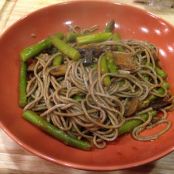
(97, 116)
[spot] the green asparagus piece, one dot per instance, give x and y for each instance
(160, 72)
(116, 37)
(94, 38)
(110, 26)
(23, 85)
(112, 67)
(129, 125)
(35, 49)
(65, 48)
(38, 121)
(77, 98)
(159, 91)
(111, 64)
(166, 85)
(71, 37)
(104, 69)
(57, 60)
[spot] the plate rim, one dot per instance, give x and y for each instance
(72, 164)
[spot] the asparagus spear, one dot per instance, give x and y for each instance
(38, 121)
(57, 60)
(116, 37)
(112, 67)
(23, 85)
(104, 69)
(93, 38)
(71, 37)
(129, 125)
(65, 48)
(35, 49)
(110, 26)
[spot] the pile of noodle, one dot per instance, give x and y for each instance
(97, 117)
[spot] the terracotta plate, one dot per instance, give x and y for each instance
(132, 23)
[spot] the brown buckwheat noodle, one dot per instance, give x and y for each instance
(101, 110)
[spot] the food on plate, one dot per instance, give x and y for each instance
(87, 88)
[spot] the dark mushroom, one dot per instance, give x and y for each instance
(125, 61)
(160, 103)
(59, 70)
(88, 57)
(89, 54)
(131, 107)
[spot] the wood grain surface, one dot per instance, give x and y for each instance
(16, 160)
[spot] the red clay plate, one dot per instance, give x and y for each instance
(132, 23)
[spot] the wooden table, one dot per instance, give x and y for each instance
(14, 159)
